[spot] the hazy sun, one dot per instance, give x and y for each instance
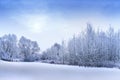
(37, 23)
(34, 23)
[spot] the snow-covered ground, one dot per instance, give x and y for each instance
(42, 71)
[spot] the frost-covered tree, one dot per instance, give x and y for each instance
(72, 51)
(89, 45)
(53, 53)
(63, 53)
(8, 47)
(56, 54)
(28, 49)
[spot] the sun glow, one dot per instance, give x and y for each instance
(34, 23)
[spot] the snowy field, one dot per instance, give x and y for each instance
(42, 71)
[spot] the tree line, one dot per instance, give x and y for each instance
(90, 48)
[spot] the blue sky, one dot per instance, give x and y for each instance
(50, 21)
